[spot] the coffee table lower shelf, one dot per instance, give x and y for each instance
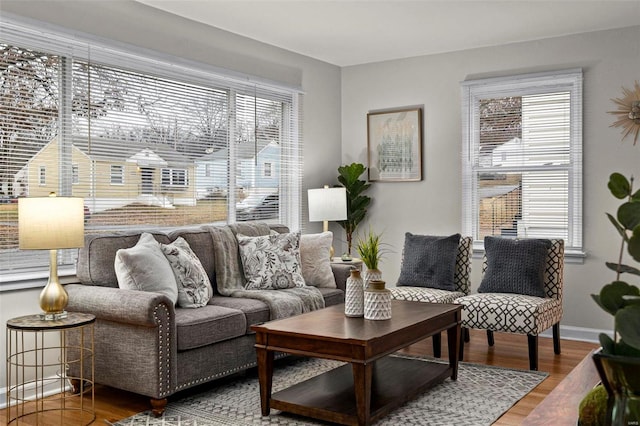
(330, 396)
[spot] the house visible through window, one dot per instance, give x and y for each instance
(522, 159)
(148, 140)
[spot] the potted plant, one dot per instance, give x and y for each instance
(371, 251)
(357, 203)
(618, 361)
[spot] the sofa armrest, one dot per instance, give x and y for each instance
(341, 272)
(119, 305)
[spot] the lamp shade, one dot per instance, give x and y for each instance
(327, 204)
(50, 223)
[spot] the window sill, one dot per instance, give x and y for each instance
(35, 279)
(570, 256)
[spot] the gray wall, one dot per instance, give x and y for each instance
(609, 59)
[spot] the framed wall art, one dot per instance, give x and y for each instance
(394, 145)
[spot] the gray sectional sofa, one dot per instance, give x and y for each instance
(146, 345)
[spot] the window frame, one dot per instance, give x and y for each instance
(520, 85)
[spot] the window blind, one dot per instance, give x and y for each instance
(148, 141)
(522, 163)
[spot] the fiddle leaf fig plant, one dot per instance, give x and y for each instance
(619, 298)
(357, 203)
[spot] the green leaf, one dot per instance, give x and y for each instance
(624, 269)
(623, 349)
(629, 215)
(620, 228)
(634, 244)
(619, 186)
(636, 196)
(607, 343)
(628, 325)
(610, 297)
(631, 300)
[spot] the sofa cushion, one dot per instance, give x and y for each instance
(144, 267)
(194, 288)
(332, 296)
(515, 266)
(271, 262)
(429, 261)
(207, 325)
(254, 310)
(316, 261)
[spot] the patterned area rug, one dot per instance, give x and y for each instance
(479, 397)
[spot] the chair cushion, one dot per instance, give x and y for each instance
(207, 325)
(429, 261)
(515, 266)
(424, 294)
(514, 313)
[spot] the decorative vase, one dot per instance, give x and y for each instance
(354, 295)
(371, 275)
(377, 301)
(620, 376)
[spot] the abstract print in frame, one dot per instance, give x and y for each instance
(394, 145)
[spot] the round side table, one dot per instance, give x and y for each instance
(43, 359)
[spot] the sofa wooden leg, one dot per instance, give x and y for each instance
(490, 339)
(533, 351)
(158, 406)
(437, 344)
(556, 338)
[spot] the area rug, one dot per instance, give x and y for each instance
(479, 397)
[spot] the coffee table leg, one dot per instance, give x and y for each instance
(453, 338)
(362, 380)
(265, 376)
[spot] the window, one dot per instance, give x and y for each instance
(146, 139)
(117, 175)
(522, 161)
(75, 177)
(266, 170)
(174, 177)
(42, 176)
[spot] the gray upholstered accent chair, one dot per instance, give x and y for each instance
(520, 313)
(461, 281)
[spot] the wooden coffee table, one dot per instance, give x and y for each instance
(374, 383)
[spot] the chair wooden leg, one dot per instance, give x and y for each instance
(556, 338)
(464, 331)
(466, 334)
(490, 339)
(437, 344)
(533, 351)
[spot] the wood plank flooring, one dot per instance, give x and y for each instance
(509, 351)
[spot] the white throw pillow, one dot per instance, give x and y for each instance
(316, 260)
(271, 262)
(144, 267)
(194, 287)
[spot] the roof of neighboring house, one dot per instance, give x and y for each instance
(246, 152)
(117, 150)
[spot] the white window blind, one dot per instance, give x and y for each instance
(522, 158)
(148, 141)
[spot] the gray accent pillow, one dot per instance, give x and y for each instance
(271, 262)
(429, 261)
(144, 267)
(316, 261)
(515, 266)
(194, 287)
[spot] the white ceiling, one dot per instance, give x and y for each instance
(345, 32)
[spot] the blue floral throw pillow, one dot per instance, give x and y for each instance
(271, 262)
(515, 266)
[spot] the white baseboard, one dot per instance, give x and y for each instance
(581, 334)
(51, 387)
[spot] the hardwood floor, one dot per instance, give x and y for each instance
(509, 351)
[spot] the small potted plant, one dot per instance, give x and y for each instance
(371, 251)
(618, 362)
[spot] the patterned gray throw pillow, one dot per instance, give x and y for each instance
(194, 287)
(515, 266)
(271, 262)
(429, 261)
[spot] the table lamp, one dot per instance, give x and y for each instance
(327, 204)
(51, 223)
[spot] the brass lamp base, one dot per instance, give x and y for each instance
(53, 298)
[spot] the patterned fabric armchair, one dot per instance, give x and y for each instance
(434, 295)
(520, 313)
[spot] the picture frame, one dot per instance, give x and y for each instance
(394, 145)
